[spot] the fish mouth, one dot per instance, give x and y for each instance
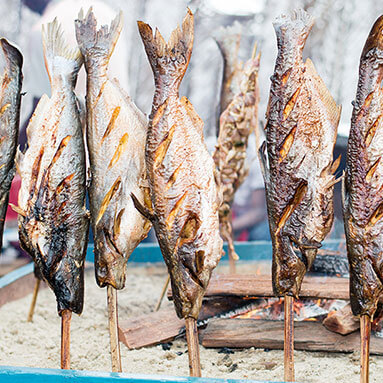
(110, 263)
(375, 38)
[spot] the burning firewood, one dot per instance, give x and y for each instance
(362, 190)
(341, 321)
(182, 181)
(302, 121)
(237, 122)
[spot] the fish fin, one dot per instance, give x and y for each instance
(60, 59)
(263, 162)
(97, 42)
(293, 29)
(142, 209)
(169, 59)
(13, 57)
(332, 109)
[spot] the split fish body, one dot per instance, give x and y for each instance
(302, 121)
(363, 180)
(116, 134)
(237, 122)
(10, 99)
(181, 173)
(53, 221)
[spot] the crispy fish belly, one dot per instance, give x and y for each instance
(363, 182)
(237, 122)
(10, 98)
(116, 134)
(181, 173)
(53, 222)
(302, 120)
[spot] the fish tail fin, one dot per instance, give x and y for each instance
(293, 29)
(99, 42)
(171, 59)
(60, 59)
(13, 57)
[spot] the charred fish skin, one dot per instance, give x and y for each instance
(116, 135)
(181, 173)
(53, 221)
(302, 121)
(10, 100)
(363, 180)
(237, 122)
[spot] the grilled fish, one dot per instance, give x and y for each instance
(228, 41)
(53, 221)
(302, 121)
(116, 134)
(10, 99)
(237, 122)
(181, 173)
(363, 182)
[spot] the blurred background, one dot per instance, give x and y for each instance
(334, 46)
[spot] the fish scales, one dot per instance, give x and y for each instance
(116, 134)
(10, 100)
(181, 173)
(363, 180)
(53, 221)
(302, 121)
(237, 122)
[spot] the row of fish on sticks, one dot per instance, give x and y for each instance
(141, 174)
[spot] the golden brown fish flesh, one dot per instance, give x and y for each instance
(302, 121)
(363, 182)
(181, 173)
(237, 122)
(10, 99)
(53, 221)
(116, 134)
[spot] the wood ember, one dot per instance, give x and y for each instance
(330, 263)
(342, 321)
(164, 325)
(309, 336)
(260, 286)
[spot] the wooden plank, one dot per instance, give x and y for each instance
(164, 325)
(309, 336)
(342, 321)
(260, 286)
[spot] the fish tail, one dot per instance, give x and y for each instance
(61, 61)
(95, 43)
(13, 57)
(374, 43)
(293, 29)
(170, 60)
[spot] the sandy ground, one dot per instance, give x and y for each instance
(37, 344)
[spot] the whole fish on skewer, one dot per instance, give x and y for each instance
(182, 180)
(10, 99)
(362, 191)
(116, 134)
(302, 121)
(237, 122)
(53, 221)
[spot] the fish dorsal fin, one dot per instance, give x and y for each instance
(333, 110)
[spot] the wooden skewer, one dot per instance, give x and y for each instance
(66, 316)
(34, 299)
(113, 329)
(193, 347)
(164, 289)
(365, 331)
(289, 339)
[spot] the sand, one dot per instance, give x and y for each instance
(37, 344)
